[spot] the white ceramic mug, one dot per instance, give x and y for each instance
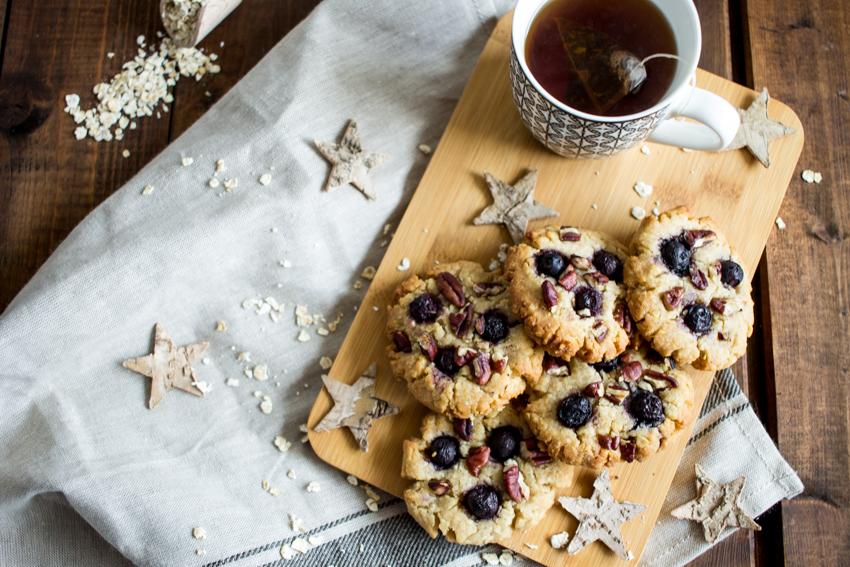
(572, 133)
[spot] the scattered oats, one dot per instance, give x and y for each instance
(687, 150)
(303, 336)
(265, 179)
(322, 331)
(387, 228)
(265, 485)
(214, 183)
(232, 382)
(425, 149)
(291, 474)
(809, 176)
(187, 161)
(352, 480)
(638, 213)
(325, 362)
(219, 166)
(384, 243)
(305, 439)
(645, 150)
(643, 189)
(506, 558)
(530, 545)
(286, 552)
(303, 428)
(818, 177)
(230, 184)
(656, 211)
(314, 540)
(780, 223)
(404, 266)
(199, 533)
(246, 356)
(490, 558)
(110, 55)
(302, 316)
(80, 132)
(335, 323)
(261, 372)
(371, 493)
(300, 545)
(257, 394)
(200, 551)
(274, 491)
(372, 505)
(266, 406)
(559, 540)
(249, 373)
(147, 190)
(368, 273)
(358, 285)
(126, 153)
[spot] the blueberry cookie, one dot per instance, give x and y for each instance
(566, 287)
(688, 292)
(597, 415)
(479, 479)
(456, 342)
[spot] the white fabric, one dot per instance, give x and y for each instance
(85, 468)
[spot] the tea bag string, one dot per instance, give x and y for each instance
(665, 55)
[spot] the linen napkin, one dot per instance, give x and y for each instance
(90, 476)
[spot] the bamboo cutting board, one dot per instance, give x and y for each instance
(486, 134)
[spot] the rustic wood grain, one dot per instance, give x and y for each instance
(743, 201)
(4, 4)
(799, 52)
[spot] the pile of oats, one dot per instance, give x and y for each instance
(180, 18)
(138, 90)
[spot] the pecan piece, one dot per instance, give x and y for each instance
(481, 368)
(488, 288)
(671, 299)
(463, 428)
(569, 234)
(601, 334)
(428, 346)
(616, 394)
(627, 357)
(697, 238)
(451, 288)
(499, 366)
(627, 451)
(480, 324)
(632, 371)
(718, 305)
(463, 359)
(599, 278)
(698, 278)
(658, 375)
(402, 343)
(569, 279)
(721, 336)
(478, 457)
(550, 295)
(512, 483)
(624, 318)
(580, 263)
(610, 443)
(595, 390)
(552, 362)
(439, 487)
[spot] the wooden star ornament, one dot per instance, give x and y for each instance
(757, 129)
(355, 406)
(514, 205)
(351, 163)
(600, 518)
(168, 366)
(716, 506)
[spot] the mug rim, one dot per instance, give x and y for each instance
(668, 98)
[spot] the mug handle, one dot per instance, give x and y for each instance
(719, 123)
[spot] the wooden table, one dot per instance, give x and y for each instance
(797, 371)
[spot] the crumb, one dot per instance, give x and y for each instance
(266, 406)
(200, 551)
(425, 149)
(303, 336)
(352, 480)
(322, 331)
(199, 533)
(559, 540)
(404, 266)
(687, 150)
(286, 264)
(387, 228)
(232, 382)
(372, 505)
(110, 55)
(126, 153)
(219, 166)
(214, 183)
(286, 552)
(291, 474)
(230, 184)
(368, 273)
(655, 211)
(594, 207)
(490, 558)
(314, 487)
(631, 555)
(300, 545)
(780, 224)
(187, 161)
(638, 213)
(375, 307)
(147, 190)
(325, 363)
(530, 545)
(261, 372)
(221, 326)
(314, 540)
(246, 356)
(265, 179)
(645, 150)
(643, 189)
(274, 491)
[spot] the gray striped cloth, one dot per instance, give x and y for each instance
(90, 476)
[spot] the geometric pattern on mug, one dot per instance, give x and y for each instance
(569, 135)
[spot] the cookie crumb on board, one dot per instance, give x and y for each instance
(638, 213)
(780, 224)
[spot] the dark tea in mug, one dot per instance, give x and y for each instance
(571, 45)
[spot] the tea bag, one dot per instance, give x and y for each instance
(608, 70)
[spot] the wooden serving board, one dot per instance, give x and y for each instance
(486, 134)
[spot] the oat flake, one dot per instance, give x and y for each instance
(266, 406)
(368, 273)
(643, 189)
(638, 213)
(325, 362)
(303, 336)
(199, 533)
(265, 179)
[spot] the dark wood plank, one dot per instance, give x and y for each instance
(3, 7)
(799, 51)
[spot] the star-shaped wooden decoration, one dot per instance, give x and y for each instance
(600, 517)
(351, 163)
(514, 205)
(757, 129)
(355, 407)
(168, 366)
(716, 506)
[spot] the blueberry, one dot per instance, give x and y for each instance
(495, 327)
(574, 411)
(504, 443)
(425, 308)
(444, 451)
(676, 256)
(608, 264)
(445, 361)
(483, 502)
(608, 365)
(590, 299)
(551, 263)
(731, 273)
(698, 319)
(646, 408)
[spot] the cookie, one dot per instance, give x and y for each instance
(596, 415)
(566, 287)
(688, 291)
(479, 479)
(456, 342)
